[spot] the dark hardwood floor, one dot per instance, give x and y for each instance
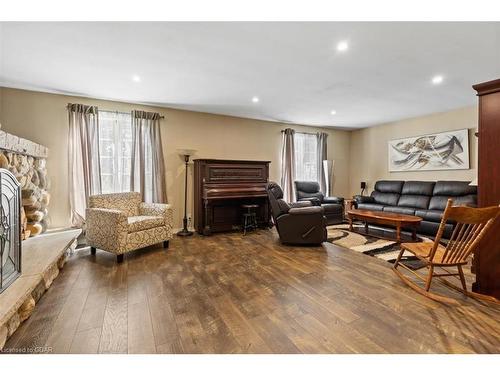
(233, 294)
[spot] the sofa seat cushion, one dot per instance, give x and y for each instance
(139, 223)
(400, 210)
(434, 216)
(370, 206)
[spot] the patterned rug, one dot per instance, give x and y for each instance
(379, 248)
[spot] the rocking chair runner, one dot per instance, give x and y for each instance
(471, 225)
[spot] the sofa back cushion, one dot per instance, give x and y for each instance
(416, 194)
(454, 188)
(414, 201)
(460, 191)
(387, 192)
(387, 186)
(308, 189)
(418, 188)
(387, 199)
(126, 202)
(278, 205)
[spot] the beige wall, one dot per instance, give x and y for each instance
(42, 118)
(368, 160)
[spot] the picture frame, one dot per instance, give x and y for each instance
(431, 152)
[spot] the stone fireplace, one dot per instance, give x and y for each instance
(26, 160)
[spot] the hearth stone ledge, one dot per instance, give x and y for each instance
(33, 285)
(13, 143)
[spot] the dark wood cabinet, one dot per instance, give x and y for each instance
(222, 186)
(487, 256)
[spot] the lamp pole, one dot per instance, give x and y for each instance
(185, 232)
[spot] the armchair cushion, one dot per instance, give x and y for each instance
(126, 202)
(138, 223)
(313, 210)
(158, 209)
(338, 200)
(312, 200)
(300, 204)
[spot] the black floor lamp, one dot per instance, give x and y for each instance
(185, 154)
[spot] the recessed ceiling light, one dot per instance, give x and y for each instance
(342, 46)
(136, 78)
(333, 112)
(436, 80)
(255, 99)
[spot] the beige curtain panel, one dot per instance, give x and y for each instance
(288, 164)
(148, 166)
(322, 155)
(84, 167)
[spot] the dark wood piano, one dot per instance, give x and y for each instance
(222, 186)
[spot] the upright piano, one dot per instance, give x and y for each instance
(222, 186)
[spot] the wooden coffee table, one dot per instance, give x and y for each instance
(384, 218)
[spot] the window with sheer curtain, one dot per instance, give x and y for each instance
(115, 148)
(306, 157)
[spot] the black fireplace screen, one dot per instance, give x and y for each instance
(10, 229)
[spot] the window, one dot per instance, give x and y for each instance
(306, 157)
(115, 147)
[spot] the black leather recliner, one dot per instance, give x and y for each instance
(333, 206)
(298, 223)
(426, 199)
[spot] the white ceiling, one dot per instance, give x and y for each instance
(294, 68)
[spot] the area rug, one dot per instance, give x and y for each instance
(379, 248)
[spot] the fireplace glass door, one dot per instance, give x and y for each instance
(10, 229)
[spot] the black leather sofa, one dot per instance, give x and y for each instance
(426, 199)
(333, 206)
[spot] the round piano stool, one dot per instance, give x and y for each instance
(249, 217)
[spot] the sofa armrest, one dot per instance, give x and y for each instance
(313, 200)
(313, 210)
(338, 200)
(301, 204)
(106, 229)
(158, 209)
(363, 199)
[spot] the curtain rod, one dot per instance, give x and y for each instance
(302, 132)
(123, 113)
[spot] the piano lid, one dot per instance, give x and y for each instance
(216, 191)
(232, 161)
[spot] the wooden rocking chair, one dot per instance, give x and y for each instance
(471, 225)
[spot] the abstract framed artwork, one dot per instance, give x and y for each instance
(432, 152)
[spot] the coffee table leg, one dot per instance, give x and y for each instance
(350, 223)
(366, 226)
(414, 234)
(398, 233)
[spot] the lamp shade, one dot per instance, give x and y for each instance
(185, 151)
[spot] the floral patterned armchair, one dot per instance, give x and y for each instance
(119, 223)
